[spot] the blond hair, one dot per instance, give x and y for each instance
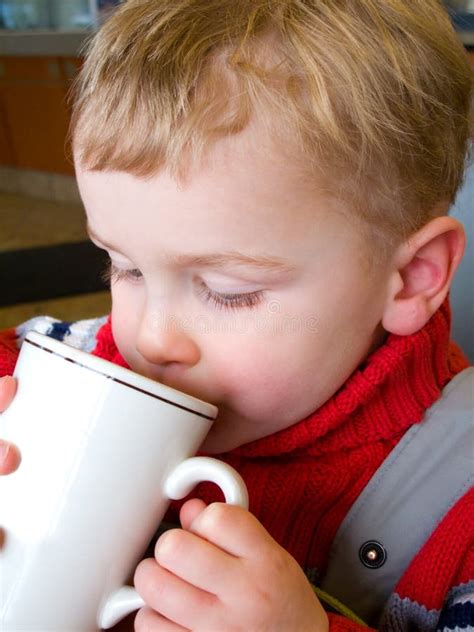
(375, 93)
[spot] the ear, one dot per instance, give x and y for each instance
(424, 267)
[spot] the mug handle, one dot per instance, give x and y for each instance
(179, 483)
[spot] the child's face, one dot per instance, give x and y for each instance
(267, 344)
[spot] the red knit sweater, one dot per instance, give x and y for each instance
(303, 480)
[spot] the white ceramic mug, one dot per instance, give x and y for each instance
(103, 452)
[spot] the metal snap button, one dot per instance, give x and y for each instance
(372, 554)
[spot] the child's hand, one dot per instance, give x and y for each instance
(9, 455)
(224, 572)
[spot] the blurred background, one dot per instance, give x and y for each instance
(47, 266)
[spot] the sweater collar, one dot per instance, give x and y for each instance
(388, 393)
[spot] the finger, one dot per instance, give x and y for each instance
(9, 458)
(172, 597)
(190, 510)
(234, 530)
(198, 562)
(147, 620)
(7, 391)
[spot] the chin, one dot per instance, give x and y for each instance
(218, 440)
(219, 447)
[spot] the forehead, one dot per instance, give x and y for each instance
(247, 195)
(247, 170)
(241, 203)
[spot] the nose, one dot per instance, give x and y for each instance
(164, 339)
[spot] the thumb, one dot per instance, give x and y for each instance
(191, 510)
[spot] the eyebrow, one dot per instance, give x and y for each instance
(217, 260)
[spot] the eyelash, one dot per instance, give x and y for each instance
(111, 274)
(250, 300)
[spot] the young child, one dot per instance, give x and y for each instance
(271, 180)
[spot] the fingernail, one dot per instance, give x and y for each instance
(4, 449)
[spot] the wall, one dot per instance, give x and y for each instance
(34, 114)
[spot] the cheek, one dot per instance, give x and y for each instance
(260, 378)
(285, 376)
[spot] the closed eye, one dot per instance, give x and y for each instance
(112, 274)
(232, 301)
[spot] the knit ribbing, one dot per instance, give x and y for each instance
(432, 574)
(8, 351)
